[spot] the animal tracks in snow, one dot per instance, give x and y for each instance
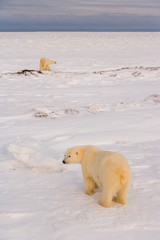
(155, 98)
(66, 112)
(54, 112)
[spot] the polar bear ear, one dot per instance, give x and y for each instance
(77, 153)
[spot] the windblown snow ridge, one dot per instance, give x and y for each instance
(28, 158)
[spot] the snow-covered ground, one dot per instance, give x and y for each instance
(104, 90)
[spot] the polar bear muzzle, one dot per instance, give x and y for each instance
(65, 160)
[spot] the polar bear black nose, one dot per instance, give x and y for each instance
(63, 162)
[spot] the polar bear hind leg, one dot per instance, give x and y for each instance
(108, 191)
(106, 199)
(111, 186)
(41, 65)
(122, 194)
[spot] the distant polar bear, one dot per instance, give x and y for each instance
(44, 64)
(104, 169)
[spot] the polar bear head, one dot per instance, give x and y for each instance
(73, 155)
(52, 62)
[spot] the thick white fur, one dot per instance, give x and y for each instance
(107, 170)
(44, 64)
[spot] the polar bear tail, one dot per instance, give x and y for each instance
(123, 177)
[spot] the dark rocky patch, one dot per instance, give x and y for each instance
(28, 72)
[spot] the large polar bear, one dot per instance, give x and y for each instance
(107, 170)
(44, 64)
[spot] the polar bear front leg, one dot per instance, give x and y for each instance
(48, 68)
(90, 185)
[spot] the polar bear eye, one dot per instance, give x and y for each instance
(77, 153)
(69, 156)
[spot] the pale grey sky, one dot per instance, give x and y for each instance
(80, 15)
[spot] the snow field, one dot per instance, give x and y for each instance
(104, 90)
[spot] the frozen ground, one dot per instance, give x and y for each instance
(104, 90)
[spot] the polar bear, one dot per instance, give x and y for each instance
(104, 169)
(44, 64)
